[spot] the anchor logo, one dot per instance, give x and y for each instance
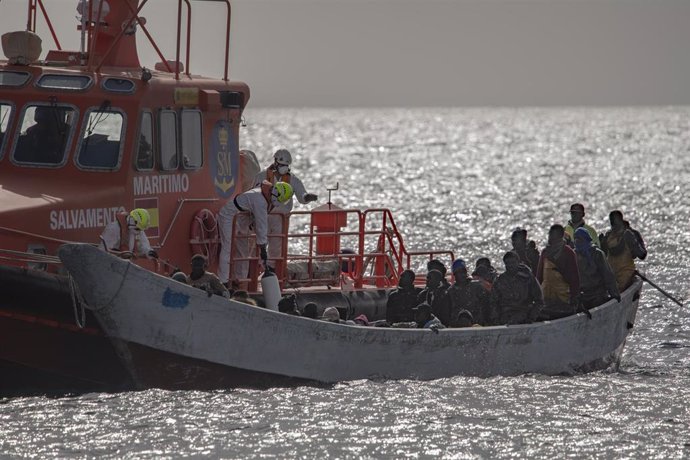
(225, 159)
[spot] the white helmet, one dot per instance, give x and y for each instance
(282, 157)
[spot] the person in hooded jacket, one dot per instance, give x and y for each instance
(435, 264)
(485, 273)
(516, 297)
(597, 281)
(623, 245)
(402, 300)
(559, 277)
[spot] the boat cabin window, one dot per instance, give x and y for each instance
(101, 139)
(64, 82)
(44, 134)
(5, 113)
(168, 139)
(144, 161)
(15, 79)
(118, 85)
(191, 140)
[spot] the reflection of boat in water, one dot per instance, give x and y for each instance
(175, 336)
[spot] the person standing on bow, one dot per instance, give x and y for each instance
(558, 275)
(577, 220)
(279, 171)
(623, 245)
(126, 237)
(250, 210)
(597, 282)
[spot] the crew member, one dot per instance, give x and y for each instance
(279, 171)
(251, 208)
(125, 235)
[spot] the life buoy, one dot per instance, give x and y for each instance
(204, 236)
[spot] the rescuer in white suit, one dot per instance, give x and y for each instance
(279, 170)
(257, 202)
(125, 235)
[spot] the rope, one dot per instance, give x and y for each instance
(35, 235)
(77, 303)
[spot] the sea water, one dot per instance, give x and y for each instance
(457, 179)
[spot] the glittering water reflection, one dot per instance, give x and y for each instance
(460, 180)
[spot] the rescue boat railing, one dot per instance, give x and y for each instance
(370, 228)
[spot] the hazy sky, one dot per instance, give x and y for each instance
(437, 52)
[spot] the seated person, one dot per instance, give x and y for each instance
(207, 281)
(288, 304)
(180, 277)
(402, 300)
(425, 319)
(44, 142)
(331, 315)
(310, 311)
(435, 295)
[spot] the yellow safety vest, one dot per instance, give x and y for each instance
(623, 264)
(554, 286)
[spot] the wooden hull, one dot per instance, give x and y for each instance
(144, 311)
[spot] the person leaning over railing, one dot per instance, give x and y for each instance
(126, 236)
(251, 208)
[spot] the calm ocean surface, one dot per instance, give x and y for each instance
(457, 179)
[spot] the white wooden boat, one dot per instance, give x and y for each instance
(172, 335)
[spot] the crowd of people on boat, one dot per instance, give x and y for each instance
(577, 270)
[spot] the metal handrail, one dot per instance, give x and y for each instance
(390, 256)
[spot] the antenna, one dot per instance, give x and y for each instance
(331, 189)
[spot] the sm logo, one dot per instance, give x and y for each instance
(224, 159)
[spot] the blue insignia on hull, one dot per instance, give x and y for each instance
(172, 299)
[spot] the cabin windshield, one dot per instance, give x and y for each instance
(44, 132)
(168, 140)
(101, 140)
(145, 148)
(5, 114)
(191, 139)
